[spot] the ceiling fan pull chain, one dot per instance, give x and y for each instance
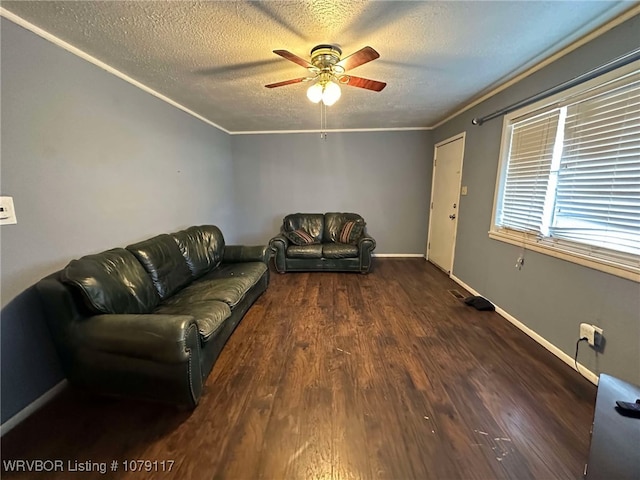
(323, 121)
(326, 121)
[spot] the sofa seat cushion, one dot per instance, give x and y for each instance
(252, 271)
(202, 247)
(161, 258)
(112, 282)
(227, 284)
(339, 250)
(208, 315)
(304, 251)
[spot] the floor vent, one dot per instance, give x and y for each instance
(456, 294)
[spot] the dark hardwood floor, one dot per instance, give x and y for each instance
(344, 376)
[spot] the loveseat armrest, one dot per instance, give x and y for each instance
(279, 245)
(366, 242)
(366, 245)
(246, 253)
(155, 337)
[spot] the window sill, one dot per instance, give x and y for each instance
(532, 243)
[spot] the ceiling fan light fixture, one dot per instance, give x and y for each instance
(327, 92)
(315, 92)
(331, 93)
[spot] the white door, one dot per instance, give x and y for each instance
(445, 199)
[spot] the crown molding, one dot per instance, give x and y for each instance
(632, 12)
(345, 130)
(98, 63)
(108, 68)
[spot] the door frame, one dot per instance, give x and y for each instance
(458, 136)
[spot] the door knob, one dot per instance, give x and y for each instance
(452, 216)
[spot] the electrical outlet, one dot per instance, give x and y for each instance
(592, 333)
(597, 336)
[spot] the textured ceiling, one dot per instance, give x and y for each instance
(214, 58)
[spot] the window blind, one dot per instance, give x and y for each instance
(527, 174)
(569, 178)
(598, 185)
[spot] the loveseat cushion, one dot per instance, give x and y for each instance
(312, 223)
(228, 283)
(304, 251)
(208, 315)
(112, 282)
(202, 248)
(161, 258)
(300, 237)
(334, 221)
(339, 250)
(351, 231)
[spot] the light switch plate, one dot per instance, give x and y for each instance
(463, 190)
(7, 212)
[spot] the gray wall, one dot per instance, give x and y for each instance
(384, 176)
(550, 296)
(92, 163)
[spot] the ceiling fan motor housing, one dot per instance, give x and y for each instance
(324, 57)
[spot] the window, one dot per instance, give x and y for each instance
(569, 177)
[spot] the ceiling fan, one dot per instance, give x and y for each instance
(327, 71)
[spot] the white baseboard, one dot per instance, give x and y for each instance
(398, 255)
(32, 407)
(588, 374)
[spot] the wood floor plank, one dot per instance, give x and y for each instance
(344, 376)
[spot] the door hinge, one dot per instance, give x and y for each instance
(429, 246)
(431, 205)
(435, 162)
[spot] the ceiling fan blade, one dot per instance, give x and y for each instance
(286, 82)
(360, 82)
(293, 58)
(358, 58)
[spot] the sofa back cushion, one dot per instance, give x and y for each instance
(202, 248)
(161, 258)
(334, 221)
(311, 223)
(112, 282)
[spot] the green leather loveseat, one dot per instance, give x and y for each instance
(150, 320)
(331, 241)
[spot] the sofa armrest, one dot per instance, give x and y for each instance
(279, 242)
(159, 338)
(244, 253)
(366, 245)
(279, 245)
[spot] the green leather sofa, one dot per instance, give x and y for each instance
(331, 241)
(150, 320)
